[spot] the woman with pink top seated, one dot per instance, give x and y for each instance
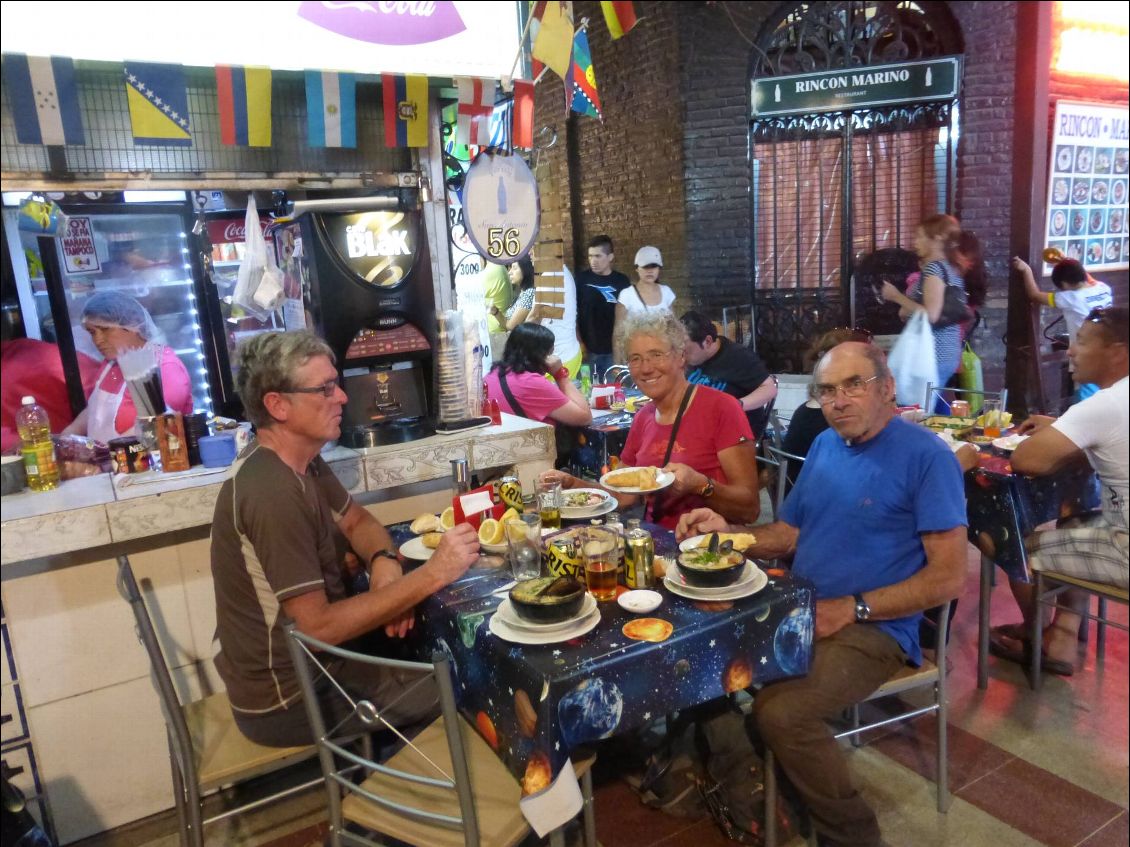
(116, 323)
(519, 385)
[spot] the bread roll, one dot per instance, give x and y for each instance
(432, 539)
(426, 523)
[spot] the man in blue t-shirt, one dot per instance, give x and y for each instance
(876, 521)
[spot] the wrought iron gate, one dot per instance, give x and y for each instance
(831, 189)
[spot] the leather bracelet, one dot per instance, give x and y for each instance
(562, 373)
(383, 554)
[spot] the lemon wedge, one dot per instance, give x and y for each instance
(490, 532)
(447, 518)
(508, 515)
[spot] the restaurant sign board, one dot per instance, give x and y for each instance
(857, 88)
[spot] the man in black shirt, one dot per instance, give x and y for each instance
(597, 290)
(719, 363)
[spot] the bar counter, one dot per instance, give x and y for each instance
(85, 723)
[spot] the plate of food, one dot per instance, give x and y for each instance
(421, 547)
(1078, 222)
(1080, 191)
(1121, 160)
(1063, 159)
(1099, 191)
(1008, 443)
(1083, 159)
(1059, 222)
(1060, 190)
(1118, 191)
(637, 480)
(1111, 250)
(1097, 220)
(586, 503)
(1115, 223)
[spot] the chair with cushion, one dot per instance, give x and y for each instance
(931, 675)
(207, 751)
(1048, 585)
(444, 788)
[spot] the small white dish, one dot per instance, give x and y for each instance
(1008, 443)
(662, 480)
(640, 601)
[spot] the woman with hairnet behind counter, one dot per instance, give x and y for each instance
(117, 322)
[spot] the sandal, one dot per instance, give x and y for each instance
(1000, 648)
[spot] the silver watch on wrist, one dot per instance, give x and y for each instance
(862, 610)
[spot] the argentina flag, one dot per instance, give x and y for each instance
(44, 99)
(331, 109)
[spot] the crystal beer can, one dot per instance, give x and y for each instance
(510, 492)
(639, 559)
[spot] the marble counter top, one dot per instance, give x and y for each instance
(98, 510)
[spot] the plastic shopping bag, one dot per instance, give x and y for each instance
(912, 360)
(258, 288)
(971, 378)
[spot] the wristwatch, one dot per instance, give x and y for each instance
(862, 610)
(383, 554)
(708, 489)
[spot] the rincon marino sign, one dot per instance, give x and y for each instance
(857, 88)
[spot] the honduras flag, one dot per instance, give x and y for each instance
(44, 99)
(331, 109)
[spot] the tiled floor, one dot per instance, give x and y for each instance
(1025, 769)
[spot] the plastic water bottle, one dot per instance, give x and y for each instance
(586, 381)
(38, 450)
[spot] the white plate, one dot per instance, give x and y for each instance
(1009, 443)
(730, 592)
(506, 632)
(415, 549)
(694, 541)
(512, 619)
(748, 577)
(640, 601)
(606, 505)
(662, 480)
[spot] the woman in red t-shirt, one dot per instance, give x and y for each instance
(527, 358)
(712, 456)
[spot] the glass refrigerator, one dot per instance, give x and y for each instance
(142, 250)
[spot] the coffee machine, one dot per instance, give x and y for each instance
(366, 282)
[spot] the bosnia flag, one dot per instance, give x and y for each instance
(158, 103)
(405, 110)
(244, 96)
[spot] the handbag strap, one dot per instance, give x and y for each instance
(639, 297)
(656, 505)
(515, 406)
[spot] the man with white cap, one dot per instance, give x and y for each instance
(647, 293)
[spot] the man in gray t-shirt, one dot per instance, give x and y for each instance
(277, 551)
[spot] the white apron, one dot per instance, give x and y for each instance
(102, 409)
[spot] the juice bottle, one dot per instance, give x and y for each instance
(586, 381)
(36, 446)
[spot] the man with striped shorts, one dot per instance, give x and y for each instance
(1094, 548)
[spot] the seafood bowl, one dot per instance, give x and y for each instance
(547, 599)
(711, 568)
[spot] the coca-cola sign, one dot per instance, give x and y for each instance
(390, 22)
(230, 231)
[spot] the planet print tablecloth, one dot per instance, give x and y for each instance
(535, 704)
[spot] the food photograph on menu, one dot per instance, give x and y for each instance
(1087, 185)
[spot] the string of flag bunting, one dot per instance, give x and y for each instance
(46, 107)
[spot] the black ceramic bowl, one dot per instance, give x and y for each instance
(547, 599)
(710, 570)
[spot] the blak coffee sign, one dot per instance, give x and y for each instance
(79, 255)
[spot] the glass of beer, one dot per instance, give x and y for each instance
(601, 549)
(523, 538)
(549, 504)
(991, 413)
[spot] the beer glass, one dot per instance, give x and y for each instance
(601, 552)
(549, 504)
(991, 412)
(523, 538)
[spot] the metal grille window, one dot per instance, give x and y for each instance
(831, 189)
(110, 152)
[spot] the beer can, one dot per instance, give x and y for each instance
(639, 559)
(128, 456)
(510, 492)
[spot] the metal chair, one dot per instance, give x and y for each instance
(934, 392)
(444, 788)
(206, 749)
(1048, 585)
(929, 675)
(782, 459)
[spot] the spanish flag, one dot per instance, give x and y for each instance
(620, 15)
(244, 96)
(405, 110)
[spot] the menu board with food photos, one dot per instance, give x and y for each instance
(1087, 190)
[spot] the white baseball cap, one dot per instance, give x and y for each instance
(648, 256)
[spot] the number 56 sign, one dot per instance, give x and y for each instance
(500, 207)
